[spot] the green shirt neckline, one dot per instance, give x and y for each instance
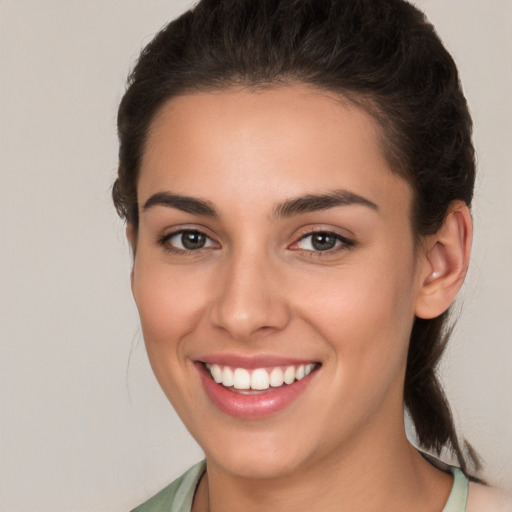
(179, 495)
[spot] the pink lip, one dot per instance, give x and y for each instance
(255, 405)
(252, 362)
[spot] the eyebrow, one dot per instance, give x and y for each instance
(183, 203)
(296, 206)
(317, 202)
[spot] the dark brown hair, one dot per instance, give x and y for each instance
(382, 55)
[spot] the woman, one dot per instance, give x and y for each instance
(296, 178)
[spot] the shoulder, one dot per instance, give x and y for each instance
(177, 496)
(482, 498)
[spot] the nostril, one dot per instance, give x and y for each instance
(244, 325)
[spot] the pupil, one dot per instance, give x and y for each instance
(193, 240)
(323, 241)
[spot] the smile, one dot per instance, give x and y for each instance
(258, 379)
(251, 388)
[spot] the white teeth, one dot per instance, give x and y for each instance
(289, 375)
(276, 377)
(227, 377)
(242, 379)
(216, 372)
(258, 379)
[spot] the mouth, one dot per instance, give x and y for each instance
(258, 380)
(255, 388)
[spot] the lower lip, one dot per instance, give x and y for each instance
(257, 405)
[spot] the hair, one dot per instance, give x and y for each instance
(383, 56)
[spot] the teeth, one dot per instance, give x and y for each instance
(276, 377)
(216, 372)
(227, 377)
(289, 375)
(258, 379)
(241, 379)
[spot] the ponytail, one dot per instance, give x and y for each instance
(424, 396)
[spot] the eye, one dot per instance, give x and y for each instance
(322, 241)
(187, 240)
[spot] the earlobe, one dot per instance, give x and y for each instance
(445, 263)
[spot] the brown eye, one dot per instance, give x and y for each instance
(187, 240)
(193, 240)
(322, 241)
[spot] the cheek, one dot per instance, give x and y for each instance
(365, 314)
(170, 304)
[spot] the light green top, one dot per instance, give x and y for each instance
(178, 496)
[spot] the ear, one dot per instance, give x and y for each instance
(445, 262)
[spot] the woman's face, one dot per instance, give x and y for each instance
(275, 243)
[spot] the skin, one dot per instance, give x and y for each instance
(259, 287)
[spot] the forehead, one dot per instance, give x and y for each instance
(255, 145)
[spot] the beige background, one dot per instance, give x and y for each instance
(83, 425)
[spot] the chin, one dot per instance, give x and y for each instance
(260, 456)
(257, 466)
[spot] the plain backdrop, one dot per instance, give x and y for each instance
(83, 424)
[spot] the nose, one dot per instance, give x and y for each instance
(251, 298)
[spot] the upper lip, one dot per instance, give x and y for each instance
(254, 361)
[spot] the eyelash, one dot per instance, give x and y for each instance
(164, 241)
(342, 243)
